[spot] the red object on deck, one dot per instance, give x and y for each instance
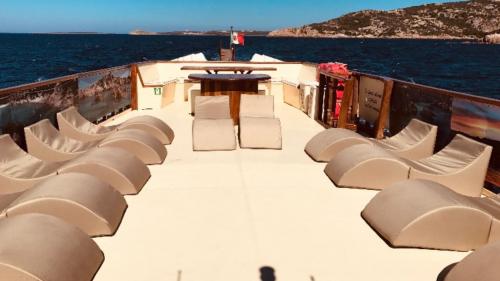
(339, 92)
(335, 68)
(338, 69)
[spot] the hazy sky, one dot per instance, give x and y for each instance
(121, 16)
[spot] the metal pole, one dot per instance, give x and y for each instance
(231, 38)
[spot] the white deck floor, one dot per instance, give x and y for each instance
(220, 216)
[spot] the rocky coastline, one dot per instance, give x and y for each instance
(474, 20)
(492, 38)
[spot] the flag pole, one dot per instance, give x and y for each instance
(231, 45)
(231, 38)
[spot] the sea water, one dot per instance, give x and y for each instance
(450, 64)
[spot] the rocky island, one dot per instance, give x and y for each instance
(474, 19)
(199, 33)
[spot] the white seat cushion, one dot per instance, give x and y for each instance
(260, 133)
(213, 134)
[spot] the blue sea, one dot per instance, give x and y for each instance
(456, 65)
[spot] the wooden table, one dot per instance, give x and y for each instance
(233, 85)
(235, 69)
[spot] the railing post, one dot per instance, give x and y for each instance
(346, 103)
(384, 109)
(134, 104)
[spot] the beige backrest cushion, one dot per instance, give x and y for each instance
(480, 265)
(10, 150)
(73, 117)
(42, 247)
(459, 153)
(212, 107)
(414, 132)
(44, 130)
(257, 106)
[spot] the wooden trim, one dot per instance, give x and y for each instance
(346, 103)
(321, 94)
(326, 100)
(24, 87)
(378, 77)
(385, 107)
(134, 99)
(493, 177)
(98, 71)
(355, 99)
(140, 75)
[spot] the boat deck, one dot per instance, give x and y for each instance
(217, 216)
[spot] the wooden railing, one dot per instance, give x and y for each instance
(98, 94)
(391, 104)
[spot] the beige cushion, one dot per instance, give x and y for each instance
(212, 107)
(138, 142)
(152, 125)
(213, 134)
(73, 125)
(44, 141)
(415, 141)
(19, 170)
(36, 247)
(112, 165)
(480, 265)
(461, 166)
(260, 133)
(194, 91)
(257, 106)
(326, 144)
(425, 214)
(258, 127)
(366, 166)
(93, 206)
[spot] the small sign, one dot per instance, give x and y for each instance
(158, 91)
(371, 93)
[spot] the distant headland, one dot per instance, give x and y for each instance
(472, 20)
(199, 33)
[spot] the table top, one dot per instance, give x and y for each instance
(230, 77)
(229, 68)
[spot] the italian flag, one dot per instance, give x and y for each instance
(238, 38)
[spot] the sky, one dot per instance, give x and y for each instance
(122, 16)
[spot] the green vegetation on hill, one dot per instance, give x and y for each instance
(466, 19)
